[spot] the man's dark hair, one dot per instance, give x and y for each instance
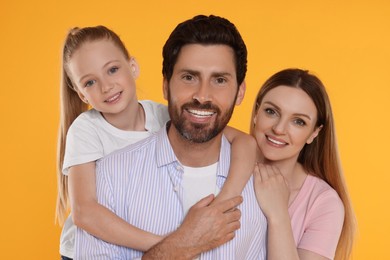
(205, 30)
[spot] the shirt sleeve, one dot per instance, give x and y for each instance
(322, 234)
(83, 144)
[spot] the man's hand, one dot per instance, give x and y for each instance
(204, 228)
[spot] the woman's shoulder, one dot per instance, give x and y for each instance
(319, 184)
(323, 194)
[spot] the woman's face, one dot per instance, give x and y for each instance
(284, 123)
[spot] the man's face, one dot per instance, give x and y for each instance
(203, 91)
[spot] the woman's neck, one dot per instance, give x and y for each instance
(291, 170)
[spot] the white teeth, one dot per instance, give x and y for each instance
(274, 141)
(113, 98)
(200, 113)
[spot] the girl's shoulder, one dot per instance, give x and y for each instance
(152, 106)
(156, 115)
(89, 118)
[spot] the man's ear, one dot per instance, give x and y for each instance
(314, 134)
(165, 88)
(241, 93)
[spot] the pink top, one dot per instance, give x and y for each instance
(317, 216)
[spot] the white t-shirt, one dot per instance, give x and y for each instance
(90, 137)
(198, 183)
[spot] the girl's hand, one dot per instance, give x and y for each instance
(271, 190)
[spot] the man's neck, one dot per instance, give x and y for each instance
(194, 154)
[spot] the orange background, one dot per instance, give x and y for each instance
(346, 43)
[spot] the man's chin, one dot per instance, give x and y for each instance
(199, 135)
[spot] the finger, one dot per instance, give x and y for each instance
(256, 174)
(272, 171)
(278, 173)
(204, 202)
(224, 239)
(229, 204)
(232, 215)
(276, 170)
(263, 172)
(230, 228)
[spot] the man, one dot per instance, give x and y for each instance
(147, 184)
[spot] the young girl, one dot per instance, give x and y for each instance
(299, 183)
(99, 73)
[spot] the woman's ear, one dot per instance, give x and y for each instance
(314, 134)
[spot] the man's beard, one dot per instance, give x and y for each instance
(198, 132)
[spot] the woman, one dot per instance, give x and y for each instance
(298, 181)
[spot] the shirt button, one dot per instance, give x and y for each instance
(176, 188)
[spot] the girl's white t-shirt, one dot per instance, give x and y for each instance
(91, 137)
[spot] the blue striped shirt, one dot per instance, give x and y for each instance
(141, 183)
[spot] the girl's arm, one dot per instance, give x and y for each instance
(272, 194)
(243, 159)
(96, 219)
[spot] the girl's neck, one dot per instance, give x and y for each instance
(130, 119)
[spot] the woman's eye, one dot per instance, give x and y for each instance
(113, 70)
(299, 122)
(270, 111)
(89, 83)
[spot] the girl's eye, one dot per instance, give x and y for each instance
(113, 70)
(299, 122)
(89, 83)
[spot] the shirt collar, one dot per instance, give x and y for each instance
(165, 154)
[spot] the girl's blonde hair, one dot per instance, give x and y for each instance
(71, 105)
(321, 157)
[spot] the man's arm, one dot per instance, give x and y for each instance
(204, 228)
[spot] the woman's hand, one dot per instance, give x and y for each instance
(271, 190)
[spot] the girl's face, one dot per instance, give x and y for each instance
(285, 122)
(104, 78)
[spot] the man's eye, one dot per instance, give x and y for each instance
(188, 77)
(221, 80)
